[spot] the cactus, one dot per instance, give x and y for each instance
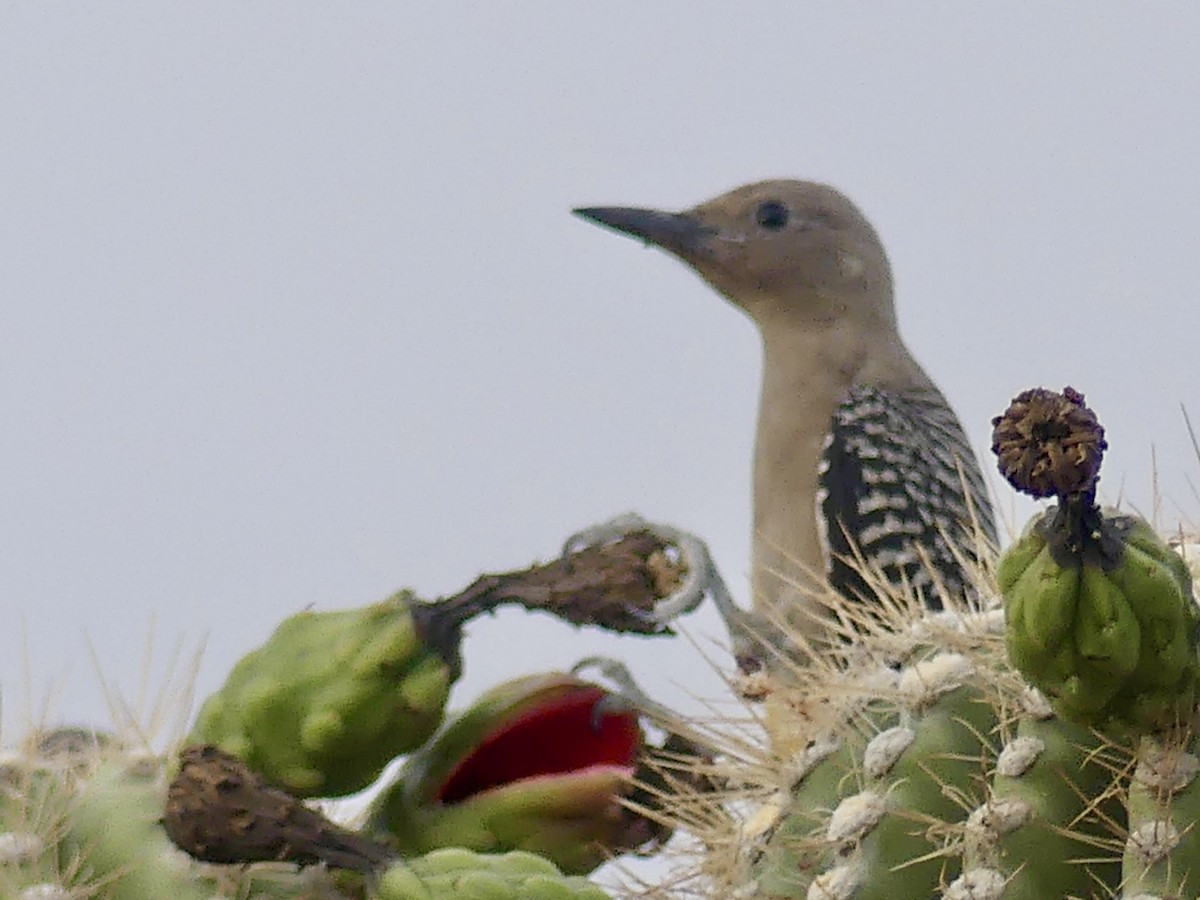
(945, 774)
(86, 824)
(931, 765)
(1036, 739)
(82, 821)
(319, 710)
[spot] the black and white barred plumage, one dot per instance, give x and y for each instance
(895, 473)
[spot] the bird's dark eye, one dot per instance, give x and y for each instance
(771, 215)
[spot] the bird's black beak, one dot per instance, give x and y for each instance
(680, 233)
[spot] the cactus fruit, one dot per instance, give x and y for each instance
(319, 710)
(456, 873)
(333, 697)
(1100, 610)
(538, 763)
(1107, 628)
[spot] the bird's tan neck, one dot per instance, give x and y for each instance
(786, 544)
(806, 373)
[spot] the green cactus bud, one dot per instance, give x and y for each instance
(332, 697)
(1100, 611)
(535, 764)
(457, 874)
(1102, 620)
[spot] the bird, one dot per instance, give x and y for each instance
(858, 456)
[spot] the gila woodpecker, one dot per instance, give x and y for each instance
(858, 453)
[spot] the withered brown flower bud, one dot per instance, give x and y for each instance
(218, 810)
(1049, 444)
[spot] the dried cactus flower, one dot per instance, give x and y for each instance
(1049, 444)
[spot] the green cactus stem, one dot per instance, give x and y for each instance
(1162, 852)
(891, 811)
(79, 818)
(1049, 824)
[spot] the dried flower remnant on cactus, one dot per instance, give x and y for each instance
(1049, 444)
(218, 810)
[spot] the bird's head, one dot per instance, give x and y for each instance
(783, 251)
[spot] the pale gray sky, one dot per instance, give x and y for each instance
(292, 310)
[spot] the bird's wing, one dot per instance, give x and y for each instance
(895, 475)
